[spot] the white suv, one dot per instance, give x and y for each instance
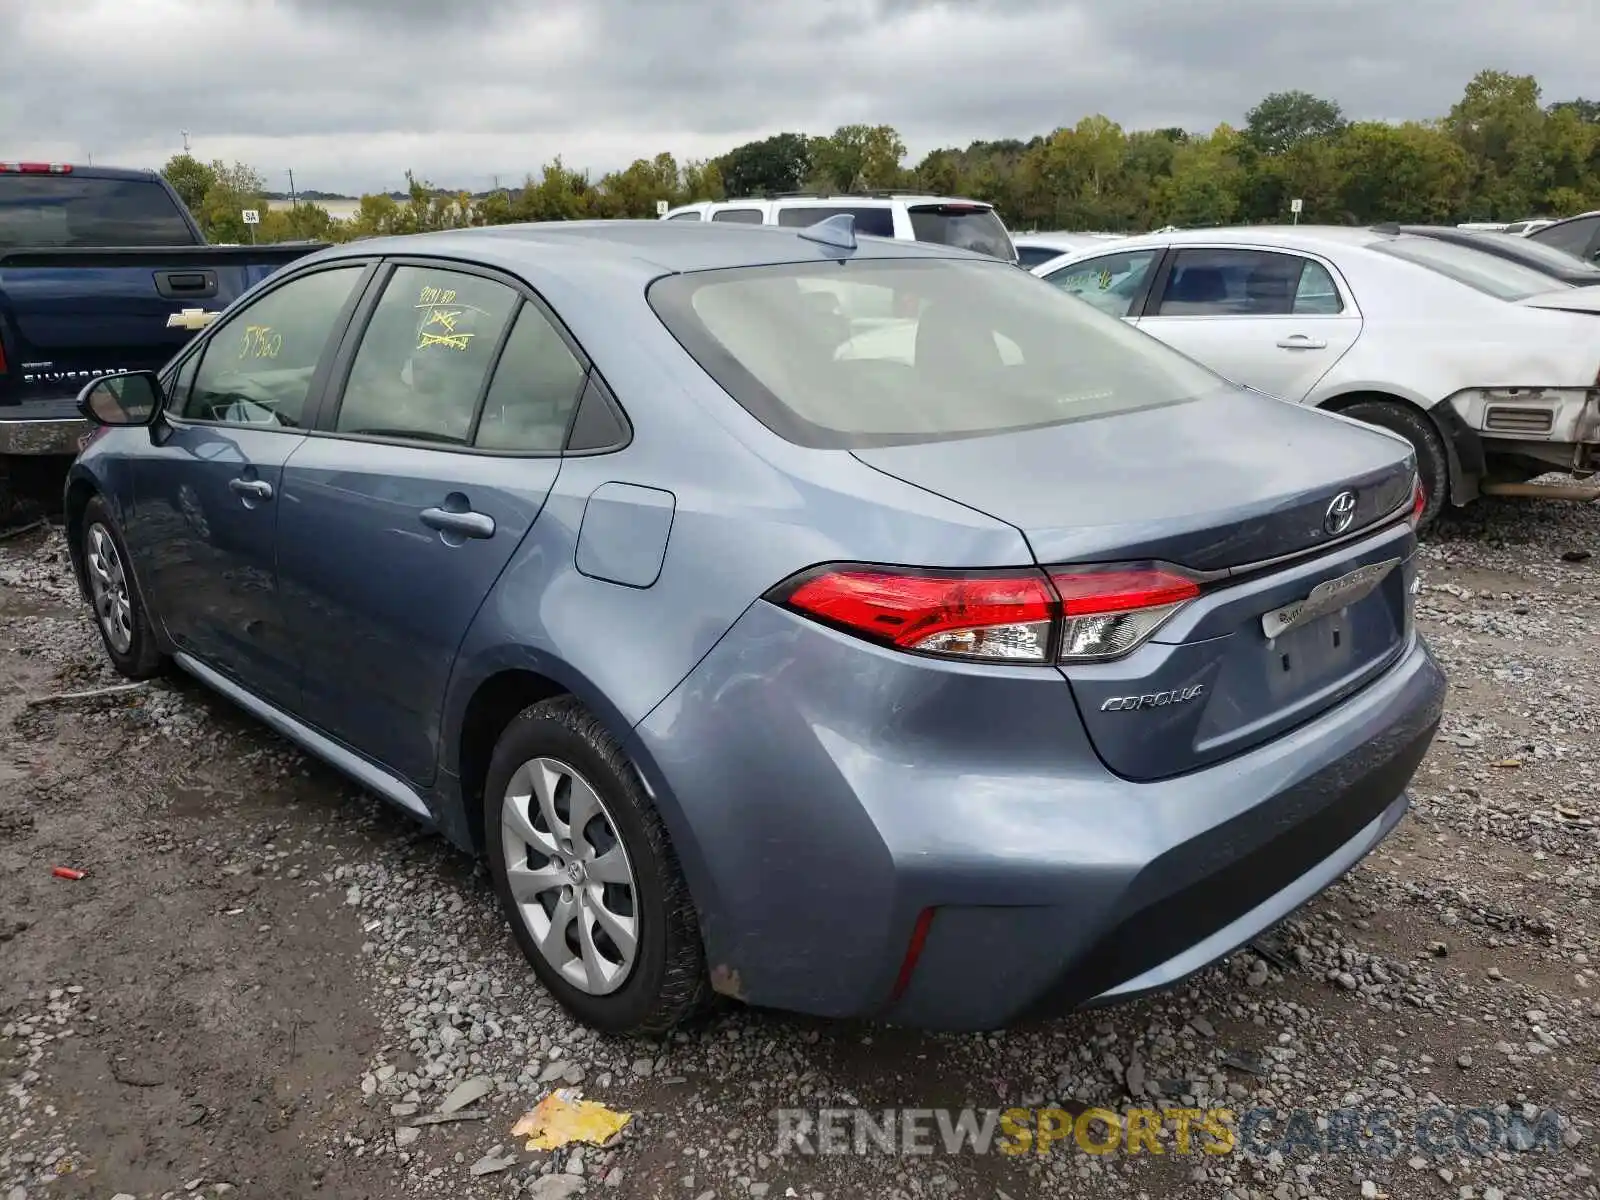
(943, 220)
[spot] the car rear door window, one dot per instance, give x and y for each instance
(1213, 282)
(425, 356)
(535, 389)
(259, 362)
(684, 216)
(872, 221)
(972, 227)
(738, 216)
(1111, 282)
(1316, 295)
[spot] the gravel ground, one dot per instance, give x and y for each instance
(266, 980)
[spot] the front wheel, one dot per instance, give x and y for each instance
(1433, 463)
(587, 877)
(119, 612)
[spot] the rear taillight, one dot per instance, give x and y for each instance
(2, 359)
(966, 615)
(1106, 613)
(1025, 616)
(36, 168)
(1419, 502)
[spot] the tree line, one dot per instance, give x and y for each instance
(1500, 154)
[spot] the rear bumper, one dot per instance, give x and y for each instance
(42, 427)
(822, 794)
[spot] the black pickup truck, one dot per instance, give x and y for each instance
(101, 269)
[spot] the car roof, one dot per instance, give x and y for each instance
(643, 248)
(1303, 236)
(75, 171)
(835, 199)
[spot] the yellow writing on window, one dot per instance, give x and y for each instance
(260, 341)
(439, 329)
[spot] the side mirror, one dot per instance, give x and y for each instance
(132, 398)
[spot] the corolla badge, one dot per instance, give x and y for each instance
(1341, 513)
(1154, 699)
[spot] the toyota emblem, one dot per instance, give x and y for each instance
(1341, 513)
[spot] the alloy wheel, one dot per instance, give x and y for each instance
(108, 588)
(570, 875)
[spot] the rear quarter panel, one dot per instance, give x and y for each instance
(749, 510)
(1425, 337)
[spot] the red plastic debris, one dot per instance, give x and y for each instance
(66, 873)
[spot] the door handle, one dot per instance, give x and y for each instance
(186, 285)
(1299, 341)
(258, 489)
(463, 524)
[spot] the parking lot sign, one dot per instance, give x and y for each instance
(253, 216)
(661, 208)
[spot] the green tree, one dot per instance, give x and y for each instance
(233, 189)
(858, 156)
(1499, 123)
(1587, 111)
(190, 178)
(1283, 120)
(780, 163)
(1203, 188)
(1411, 173)
(702, 180)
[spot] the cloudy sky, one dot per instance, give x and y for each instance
(349, 93)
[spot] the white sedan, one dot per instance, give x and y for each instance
(1490, 369)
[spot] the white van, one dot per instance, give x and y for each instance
(943, 220)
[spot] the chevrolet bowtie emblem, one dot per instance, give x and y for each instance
(191, 318)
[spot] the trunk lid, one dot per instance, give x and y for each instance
(1571, 299)
(1222, 488)
(1236, 478)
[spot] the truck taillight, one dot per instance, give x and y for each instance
(36, 168)
(1024, 616)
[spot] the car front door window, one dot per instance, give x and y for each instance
(257, 365)
(1111, 282)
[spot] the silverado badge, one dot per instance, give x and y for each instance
(191, 318)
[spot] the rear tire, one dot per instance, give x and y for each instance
(575, 885)
(1433, 462)
(119, 611)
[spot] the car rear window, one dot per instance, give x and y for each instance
(1478, 269)
(973, 227)
(1542, 258)
(43, 211)
(871, 220)
(877, 352)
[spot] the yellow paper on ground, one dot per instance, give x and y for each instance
(559, 1120)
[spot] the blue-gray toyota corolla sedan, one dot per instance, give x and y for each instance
(848, 626)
